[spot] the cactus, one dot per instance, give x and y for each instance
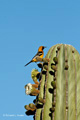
(58, 89)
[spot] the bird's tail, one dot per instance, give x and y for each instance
(28, 63)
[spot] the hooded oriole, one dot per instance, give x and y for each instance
(40, 54)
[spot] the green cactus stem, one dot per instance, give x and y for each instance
(58, 96)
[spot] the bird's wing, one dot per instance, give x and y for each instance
(34, 58)
(37, 55)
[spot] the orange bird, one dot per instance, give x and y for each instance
(40, 54)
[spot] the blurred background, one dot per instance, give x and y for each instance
(24, 26)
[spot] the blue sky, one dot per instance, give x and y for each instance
(24, 26)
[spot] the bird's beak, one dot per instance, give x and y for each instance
(45, 47)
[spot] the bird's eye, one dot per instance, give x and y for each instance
(42, 47)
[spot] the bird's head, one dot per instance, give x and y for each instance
(41, 48)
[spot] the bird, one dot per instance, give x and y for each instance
(40, 54)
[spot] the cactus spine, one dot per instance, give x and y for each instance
(58, 96)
